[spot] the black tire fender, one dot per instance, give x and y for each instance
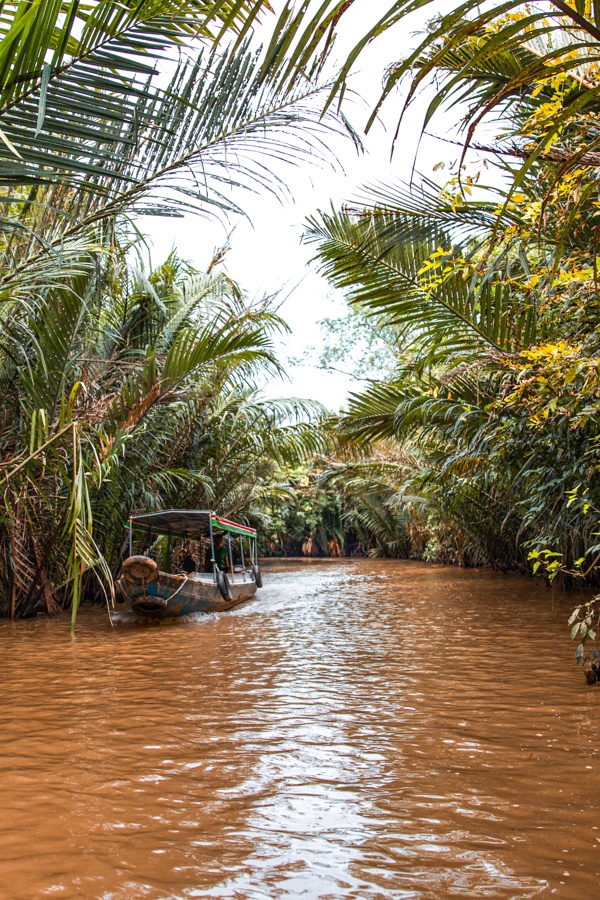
(257, 576)
(224, 586)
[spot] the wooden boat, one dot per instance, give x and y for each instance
(162, 595)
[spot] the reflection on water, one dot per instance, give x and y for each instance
(364, 729)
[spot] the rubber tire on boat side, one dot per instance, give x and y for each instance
(257, 576)
(224, 586)
(139, 569)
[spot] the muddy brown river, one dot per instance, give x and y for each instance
(365, 729)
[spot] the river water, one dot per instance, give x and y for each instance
(365, 729)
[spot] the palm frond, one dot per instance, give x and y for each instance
(186, 151)
(381, 259)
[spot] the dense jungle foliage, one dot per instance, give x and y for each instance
(123, 389)
(492, 285)
(476, 439)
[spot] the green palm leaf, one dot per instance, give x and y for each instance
(187, 151)
(379, 257)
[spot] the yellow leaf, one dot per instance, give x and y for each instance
(10, 144)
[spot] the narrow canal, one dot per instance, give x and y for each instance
(363, 730)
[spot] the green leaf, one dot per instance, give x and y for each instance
(378, 257)
(46, 70)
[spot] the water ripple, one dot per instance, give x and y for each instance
(365, 729)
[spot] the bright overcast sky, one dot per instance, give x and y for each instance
(266, 255)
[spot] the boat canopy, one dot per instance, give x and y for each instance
(188, 523)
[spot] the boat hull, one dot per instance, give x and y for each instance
(171, 596)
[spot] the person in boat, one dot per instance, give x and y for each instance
(188, 564)
(221, 555)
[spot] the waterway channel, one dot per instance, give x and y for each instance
(365, 729)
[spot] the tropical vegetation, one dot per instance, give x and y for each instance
(474, 439)
(123, 388)
(491, 281)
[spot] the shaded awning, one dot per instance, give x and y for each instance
(188, 523)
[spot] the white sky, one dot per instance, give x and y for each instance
(266, 255)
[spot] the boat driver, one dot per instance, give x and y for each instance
(221, 555)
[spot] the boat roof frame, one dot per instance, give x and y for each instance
(189, 523)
